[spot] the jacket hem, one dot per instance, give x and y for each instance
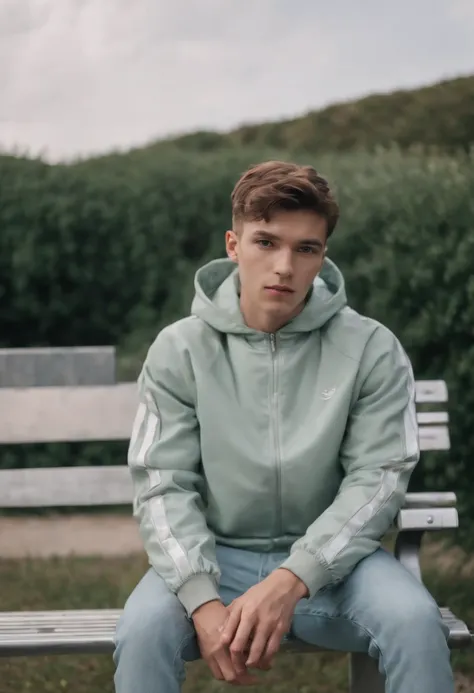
(312, 572)
(196, 591)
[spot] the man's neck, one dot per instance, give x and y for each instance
(263, 322)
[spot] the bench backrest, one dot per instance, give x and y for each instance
(53, 366)
(106, 413)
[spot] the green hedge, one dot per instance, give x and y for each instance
(88, 255)
(105, 251)
(406, 246)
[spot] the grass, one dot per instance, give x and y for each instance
(97, 583)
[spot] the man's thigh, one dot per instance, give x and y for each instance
(370, 603)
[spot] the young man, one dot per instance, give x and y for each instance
(270, 453)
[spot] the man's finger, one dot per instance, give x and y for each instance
(231, 625)
(240, 643)
(230, 674)
(273, 645)
(239, 659)
(258, 646)
(215, 669)
(226, 666)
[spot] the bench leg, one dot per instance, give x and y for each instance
(364, 676)
(407, 550)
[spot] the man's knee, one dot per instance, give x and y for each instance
(141, 624)
(384, 594)
(419, 612)
(411, 618)
(152, 618)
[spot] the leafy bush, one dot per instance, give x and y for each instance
(91, 253)
(406, 247)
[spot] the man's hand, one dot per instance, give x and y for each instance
(209, 620)
(262, 615)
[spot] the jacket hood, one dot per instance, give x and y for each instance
(217, 301)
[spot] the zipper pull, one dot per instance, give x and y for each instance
(273, 342)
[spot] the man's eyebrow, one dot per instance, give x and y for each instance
(266, 234)
(272, 237)
(312, 241)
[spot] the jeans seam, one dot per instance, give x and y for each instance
(321, 614)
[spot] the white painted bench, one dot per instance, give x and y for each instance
(105, 413)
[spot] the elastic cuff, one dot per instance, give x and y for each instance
(196, 591)
(305, 566)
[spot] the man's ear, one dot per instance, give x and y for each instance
(231, 245)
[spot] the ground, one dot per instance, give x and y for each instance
(83, 535)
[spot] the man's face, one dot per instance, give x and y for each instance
(278, 261)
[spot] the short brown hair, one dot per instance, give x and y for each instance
(276, 185)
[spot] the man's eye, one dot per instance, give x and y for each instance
(264, 242)
(307, 249)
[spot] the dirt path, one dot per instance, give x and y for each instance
(117, 535)
(83, 535)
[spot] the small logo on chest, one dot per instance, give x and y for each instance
(327, 394)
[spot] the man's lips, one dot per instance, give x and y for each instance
(279, 289)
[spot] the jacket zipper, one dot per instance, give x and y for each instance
(276, 437)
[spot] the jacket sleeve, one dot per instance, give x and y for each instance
(164, 459)
(378, 454)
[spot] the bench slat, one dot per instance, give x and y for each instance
(102, 486)
(19, 623)
(73, 634)
(57, 615)
(60, 630)
(62, 414)
(430, 499)
(431, 391)
(63, 486)
(47, 366)
(100, 643)
(459, 633)
(59, 414)
(433, 417)
(434, 438)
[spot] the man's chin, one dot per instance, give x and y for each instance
(286, 313)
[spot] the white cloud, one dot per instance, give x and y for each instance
(78, 76)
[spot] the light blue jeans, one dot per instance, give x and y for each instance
(380, 609)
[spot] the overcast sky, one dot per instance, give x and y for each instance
(83, 76)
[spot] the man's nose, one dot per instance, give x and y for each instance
(284, 265)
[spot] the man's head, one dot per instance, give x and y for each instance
(282, 216)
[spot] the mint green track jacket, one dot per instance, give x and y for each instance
(303, 440)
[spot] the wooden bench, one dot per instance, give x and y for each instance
(106, 413)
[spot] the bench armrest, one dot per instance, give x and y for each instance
(427, 519)
(422, 512)
(430, 499)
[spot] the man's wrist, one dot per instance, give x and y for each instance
(296, 584)
(207, 607)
